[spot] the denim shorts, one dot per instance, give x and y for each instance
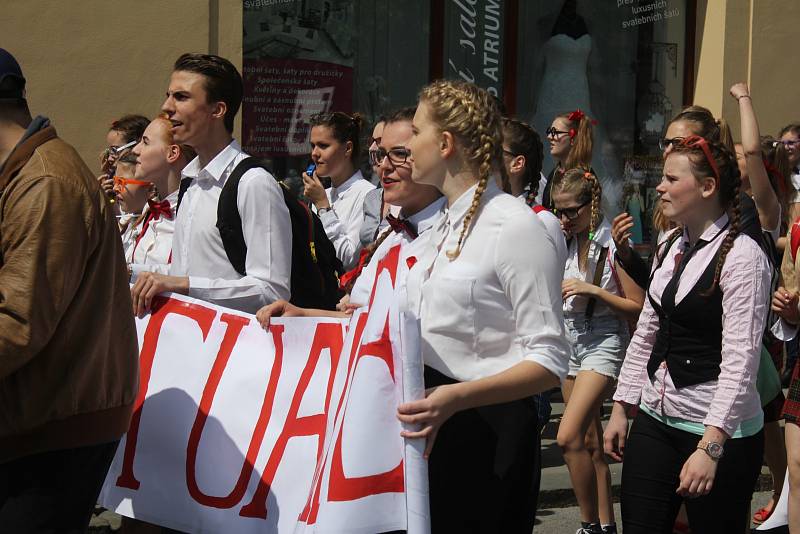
(598, 345)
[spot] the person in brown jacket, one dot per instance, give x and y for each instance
(68, 345)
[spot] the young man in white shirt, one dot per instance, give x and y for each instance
(204, 95)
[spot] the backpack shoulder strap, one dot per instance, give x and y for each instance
(229, 221)
(597, 280)
(184, 185)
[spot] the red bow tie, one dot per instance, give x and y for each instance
(401, 225)
(159, 209)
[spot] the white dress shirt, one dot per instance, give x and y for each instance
(499, 302)
(343, 221)
(128, 235)
(554, 230)
(576, 304)
(197, 250)
(152, 250)
(422, 221)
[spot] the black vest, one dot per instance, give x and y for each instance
(689, 337)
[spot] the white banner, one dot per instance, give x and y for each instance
(238, 429)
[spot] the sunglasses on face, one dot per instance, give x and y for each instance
(552, 133)
(397, 156)
(663, 144)
(570, 213)
(121, 183)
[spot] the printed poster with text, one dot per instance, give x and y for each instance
(298, 61)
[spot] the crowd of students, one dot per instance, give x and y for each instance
(523, 282)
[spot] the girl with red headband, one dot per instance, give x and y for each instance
(571, 142)
(598, 300)
(692, 363)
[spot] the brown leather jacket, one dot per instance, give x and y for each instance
(68, 345)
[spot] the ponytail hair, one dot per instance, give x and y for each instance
(344, 128)
(523, 140)
(580, 131)
(470, 114)
(728, 185)
(706, 126)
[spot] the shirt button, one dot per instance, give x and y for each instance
(688, 361)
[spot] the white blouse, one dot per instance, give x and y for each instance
(609, 281)
(152, 250)
(422, 221)
(499, 302)
(342, 222)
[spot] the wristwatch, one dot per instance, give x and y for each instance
(712, 448)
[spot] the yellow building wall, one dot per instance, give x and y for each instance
(752, 41)
(88, 62)
(774, 77)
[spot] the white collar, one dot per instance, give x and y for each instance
(423, 220)
(215, 168)
(342, 189)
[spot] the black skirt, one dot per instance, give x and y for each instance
(484, 469)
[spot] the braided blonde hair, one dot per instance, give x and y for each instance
(470, 114)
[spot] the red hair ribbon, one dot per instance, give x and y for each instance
(771, 169)
(578, 115)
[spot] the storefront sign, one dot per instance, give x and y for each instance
(473, 44)
(298, 61)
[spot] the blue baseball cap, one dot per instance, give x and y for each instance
(10, 69)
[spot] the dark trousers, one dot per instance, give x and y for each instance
(53, 492)
(484, 468)
(654, 456)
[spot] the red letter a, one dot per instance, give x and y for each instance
(327, 335)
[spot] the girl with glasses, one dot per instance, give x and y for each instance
(790, 137)
(335, 145)
(691, 365)
(598, 300)
(571, 141)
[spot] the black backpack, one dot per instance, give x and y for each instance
(315, 267)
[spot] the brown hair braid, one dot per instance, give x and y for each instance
(470, 114)
(369, 252)
(728, 186)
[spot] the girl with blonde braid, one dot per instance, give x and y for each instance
(692, 363)
(491, 319)
(599, 299)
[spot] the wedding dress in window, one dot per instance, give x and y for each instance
(565, 88)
